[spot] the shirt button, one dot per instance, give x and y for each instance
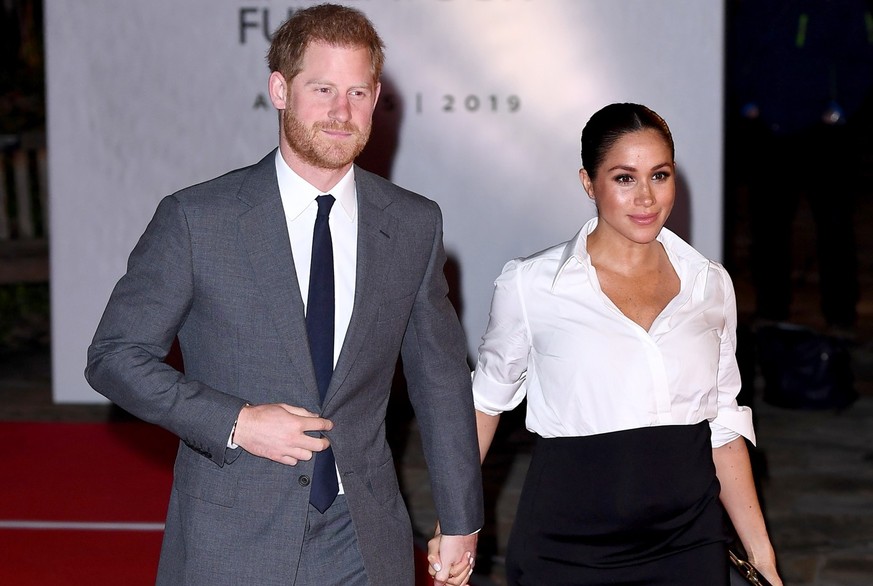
(304, 480)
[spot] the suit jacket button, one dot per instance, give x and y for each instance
(304, 480)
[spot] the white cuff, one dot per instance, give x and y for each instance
(493, 398)
(730, 424)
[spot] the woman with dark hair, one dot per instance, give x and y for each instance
(623, 342)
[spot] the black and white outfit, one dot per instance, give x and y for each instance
(622, 486)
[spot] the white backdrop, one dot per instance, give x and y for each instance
(483, 104)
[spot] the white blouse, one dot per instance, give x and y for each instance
(586, 368)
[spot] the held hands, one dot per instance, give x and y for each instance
(278, 432)
(451, 558)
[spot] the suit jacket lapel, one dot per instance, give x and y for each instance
(375, 228)
(263, 232)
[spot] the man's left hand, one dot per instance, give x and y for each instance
(451, 558)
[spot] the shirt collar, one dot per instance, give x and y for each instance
(575, 255)
(575, 251)
(297, 194)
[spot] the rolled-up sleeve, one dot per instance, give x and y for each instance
(732, 420)
(501, 370)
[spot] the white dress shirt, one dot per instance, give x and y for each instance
(298, 201)
(586, 368)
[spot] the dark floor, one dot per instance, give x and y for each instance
(815, 466)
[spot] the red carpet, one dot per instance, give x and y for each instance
(76, 473)
(117, 472)
(52, 557)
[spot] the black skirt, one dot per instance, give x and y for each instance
(631, 507)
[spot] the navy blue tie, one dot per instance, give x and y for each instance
(320, 328)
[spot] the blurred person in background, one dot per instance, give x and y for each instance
(800, 77)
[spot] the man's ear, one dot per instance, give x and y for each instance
(278, 88)
(376, 93)
(586, 182)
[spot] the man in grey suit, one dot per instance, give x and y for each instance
(234, 268)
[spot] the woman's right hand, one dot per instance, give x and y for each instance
(458, 574)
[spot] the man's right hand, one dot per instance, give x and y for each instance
(278, 432)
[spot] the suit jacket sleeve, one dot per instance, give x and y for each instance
(438, 379)
(145, 311)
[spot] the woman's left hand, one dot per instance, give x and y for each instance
(768, 570)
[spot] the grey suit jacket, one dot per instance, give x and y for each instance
(215, 268)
